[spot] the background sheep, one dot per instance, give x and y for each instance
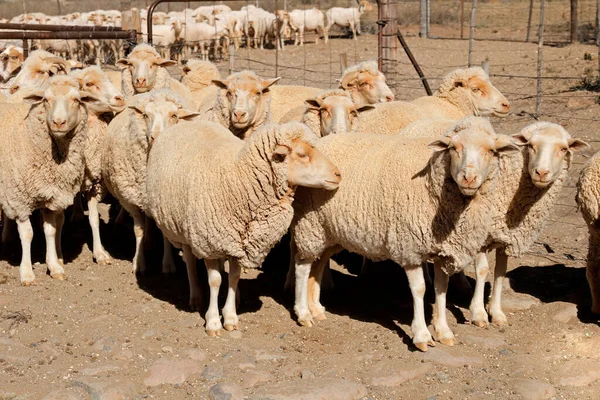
(366, 83)
(125, 153)
(436, 217)
(308, 20)
(243, 103)
(230, 198)
(49, 139)
(10, 65)
(347, 17)
(35, 72)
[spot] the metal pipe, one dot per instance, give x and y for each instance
(380, 25)
(60, 28)
(414, 62)
(128, 35)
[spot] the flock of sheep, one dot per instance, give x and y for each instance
(226, 166)
(202, 30)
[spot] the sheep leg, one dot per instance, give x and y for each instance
(100, 255)
(60, 222)
(495, 306)
(213, 322)
(327, 280)
(326, 34)
(56, 270)
(195, 291)
(301, 37)
(358, 27)
(479, 316)
(440, 324)
(416, 281)
(592, 271)
(301, 309)
(121, 217)
(26, 236)
(230, 318)
(168, 263)
(314, 287)
(353, 27)
(139, 260)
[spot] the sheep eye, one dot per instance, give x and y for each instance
(564, 149)
(41, 72)
(302, 155)
(174, 116)
(475, 90)
(89, 84)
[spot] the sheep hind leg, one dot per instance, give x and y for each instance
(25, 269)
(195, 291)
(139, 259)
(230, 318)
(168, 262)
(314, 285)
(479, 316)
(213, 322)
(100, 255)
(592, 271)
(495, 305)
(291, 274)
(60, 222)
(440, 324)
(421, 335)
(50, 228)
(302, 270)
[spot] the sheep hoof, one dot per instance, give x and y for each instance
(421, 346)
(28, 282)
(320, 317)
(213, 333)
(501, 321)
(103, 260)
(480, 324)
(447, 341)
(59, 277)
(230, 327)
(306, 322)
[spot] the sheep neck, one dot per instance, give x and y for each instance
(458, 99)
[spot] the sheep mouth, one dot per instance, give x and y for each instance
(500, 114)
(331, 185)
(240, 124)
(117, 108)
(541, 184)
(468, 191)
(141, 89)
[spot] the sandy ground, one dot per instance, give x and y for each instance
(105, 334)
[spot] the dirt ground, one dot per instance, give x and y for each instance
(107, 334)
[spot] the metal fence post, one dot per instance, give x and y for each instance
(540, 58)
(472, 32)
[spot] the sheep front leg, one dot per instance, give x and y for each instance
(314, 288)
(440, 324)
(56, 269)
(495, 306)
(139, 259)
(213, 322)
(195, 291)
(301, 309)
(421, 335)
(26, 236)
(479, 316)
(353, 28)
(230, 318)
(168, 262)
(60, 222)
(100, 255)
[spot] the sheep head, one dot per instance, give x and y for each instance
(549, 147)
(10, 61)
(144, 62)
(366, 84)
(62, 100)
(37, 69)
(94, 81)
(244, 92)
(472, 144)
(336, 111)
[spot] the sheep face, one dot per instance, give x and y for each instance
(486, 99)
(307, 166)
(337, 114)
(471, 152)
(245, 97)
(548, 146)
(95, 81)
(159, 115)
(144, 66)
(370, 89)
(10, 61)
(36, 71)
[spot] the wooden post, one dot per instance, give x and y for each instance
(540, 58)
(58, 6)
(343, 62)
(389, 44)
(529, 20)
(423, 12)
(472, 31)
(428, 18)
(131, 19)
(574, 35)
(462, 18)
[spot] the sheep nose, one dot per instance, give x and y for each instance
(59, 123)
(506, 105)
(469, 178)
(239, 115)
(141, 82)
(14, 88)
(119, 100)
(542, 173)
(389, 97)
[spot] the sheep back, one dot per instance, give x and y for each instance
(588, 190)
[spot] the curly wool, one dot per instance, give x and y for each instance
(287, 97)
(37, 171)
(397, 202)
(227, 198)
(199, 74)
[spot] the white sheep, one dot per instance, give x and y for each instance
(10, 65)
(125, 150)
(230, 198)
(243, 103)
(197, 77)
(308, 20)
(463, 92)
(588, 199)
(94, 81)
(436, 216)
(35, 72)
(49, 139)
(347, 17)
(366, 83)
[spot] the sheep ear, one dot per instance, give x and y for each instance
(460, 83)
(440, 145)
(165, 63)
(266, 83)
(578, 145)
(521, 139)
(313, 104)
(186, 70)
(365, 107)
(187, 114)
(280, 153)
(34, 98)
(123, 63)
(219, 83)
(137, 107)
(504, 144)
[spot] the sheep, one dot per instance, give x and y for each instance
(49, 139)
(282, 22)
(230, 198)
(197, 77)
(331, 112)
(419, 206)
(10, 63)
(243, 103)
(463, 92)
(588, 200)
(94, 81)
(288, 97)
(308, 20)
(144, 70)
(366, 83)
(35, 72)
(530, 182)
(125, 150)
(347, 17)
(165, 36)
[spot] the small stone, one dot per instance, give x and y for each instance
(107, 390)
(171, 371)
(64, 394)
(148, 334)
(531, 389)
(578, 372)
(236, 334)
(246, 366)
(252, 378)
(443, 357)
(319, 389)
(263, 355)
(514, 302)
(100, 370)
(196, 354)
(307, 374)
(390, 374)
(124, 355)
(225, 391)
(566, 314)
(212, 373)
(167, 349)
(442, 377)
(106, 344)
